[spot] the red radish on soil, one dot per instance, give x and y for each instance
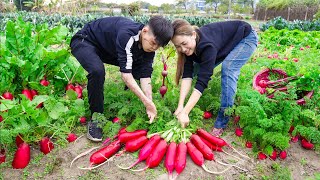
(262, 156)
(7, 95)
(115, 119)
(44, 82)
(103, 154)
(306, 144)
(295, 138)
(2, 156)
(211, 146)
(125, 137)
(207, 115)
(21, 157)
(71, 137)
(283, 155)
(145, 151)
(197, 158)
(83, 120)
(181, 158)
(19, 140)
(169, 162)
(239, 132)
(46, 145)
(274, 154)
(135, 144)
(163, 90)
(202, 147)
(156, 155)
(249, 144)
(27, 93)
(69, 87)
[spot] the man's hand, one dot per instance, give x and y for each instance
(183, 118)
(151, 110)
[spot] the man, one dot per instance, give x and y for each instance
(121, 42)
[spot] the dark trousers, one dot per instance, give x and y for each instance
(88, 56)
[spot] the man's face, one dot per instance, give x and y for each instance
(148, 40)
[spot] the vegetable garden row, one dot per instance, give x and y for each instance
(44, 100)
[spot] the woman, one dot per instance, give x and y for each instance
(230, 43)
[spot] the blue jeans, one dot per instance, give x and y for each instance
(230, 72)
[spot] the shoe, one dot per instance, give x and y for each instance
(217, 132)
(94, 132)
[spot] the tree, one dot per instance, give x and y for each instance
(183, 3)
(166, 7)
(215, 4)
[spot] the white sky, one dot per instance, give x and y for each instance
(153, 2)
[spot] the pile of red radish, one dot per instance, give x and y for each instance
(154, 149)
(76, 88)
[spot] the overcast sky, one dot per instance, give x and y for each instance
(153, 2)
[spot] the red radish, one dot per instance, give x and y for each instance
(295, 59)
(156, 155)
(163, 90)
(169, 162)
(239, 132)
(78, 90)
(301, 48)
(7, 95)
(181, 158)
(44, 82)
(198, 159)
(211, 146)
(146, 150)
(104, 153)
(274, 154)
(135, 144)
(27, 93)
(262, 156)
(78, 86)
(46, 145)
(165, 66)
(295, 138)
(306, 144)
(236, 119)
(207, 115)
(115, 120)
(21, 157)
(19, 140)
(202, 147)
(2, 156)
(212, 139)
(263, 83)
(33, 92)
(71, 137)
(83, 120)
(125, 137)
(164, 73)
(283, 155)
(70, 87)
(1, 118)
(291, 129)
(249, 144)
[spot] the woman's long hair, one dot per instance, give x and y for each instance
(182, 27)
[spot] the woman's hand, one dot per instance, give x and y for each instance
(178, 110)
(183, 118)
(151, 110)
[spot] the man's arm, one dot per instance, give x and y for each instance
(134, 87)
(146, 87)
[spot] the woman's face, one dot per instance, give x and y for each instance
(185, 44)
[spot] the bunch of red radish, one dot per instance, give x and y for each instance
(76, 88)
(154, 149)
(163, 89)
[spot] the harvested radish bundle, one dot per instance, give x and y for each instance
(103, 154)
(22, 156)
(156, 156)
(145, 151)
(217, 141)
(125, 137)
(198, 159)
(169, 162)
(181, 158)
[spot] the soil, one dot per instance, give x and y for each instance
(300, 164)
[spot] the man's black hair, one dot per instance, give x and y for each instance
(162, 29)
